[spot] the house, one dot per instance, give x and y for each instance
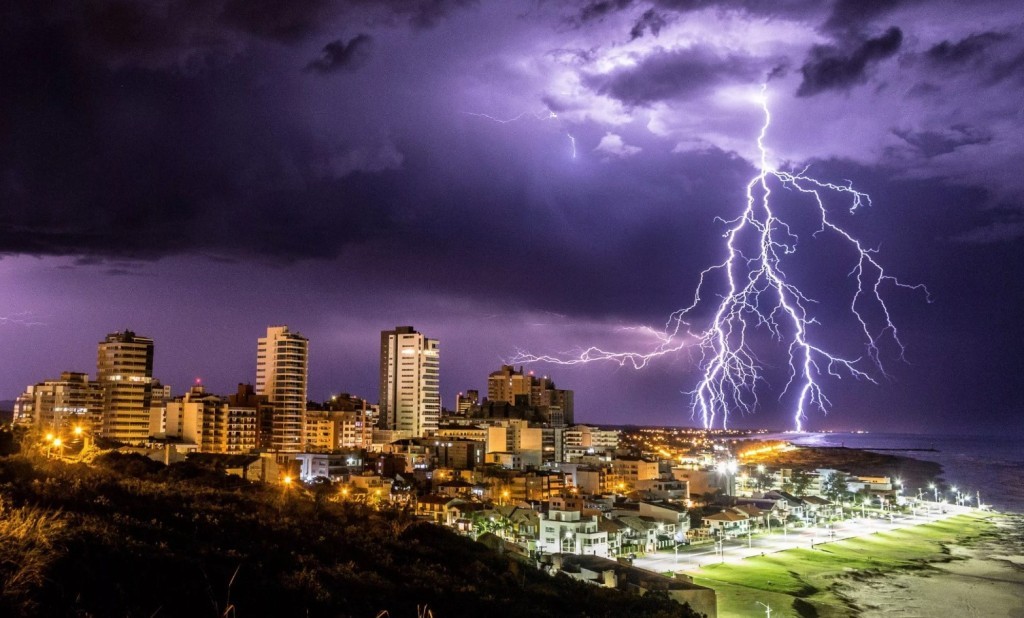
(790, 504)
(618, 534)
(571, 532)
(771, 508)
(669, 513)
(727, 523)
(524, 522)
(459, 514)
(454, 489)
(433, 507)
(757, 517)
(816, 507)
(647, 534)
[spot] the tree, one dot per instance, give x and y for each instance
(801, 481)
(836, 486)
(763, 480)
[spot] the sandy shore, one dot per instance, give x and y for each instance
(983, 581)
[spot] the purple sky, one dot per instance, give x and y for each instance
(196, 171)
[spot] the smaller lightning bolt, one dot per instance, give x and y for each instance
(24, 318)
(542, 115)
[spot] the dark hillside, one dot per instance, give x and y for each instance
(129, 537)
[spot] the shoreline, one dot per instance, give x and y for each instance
(971, 563)
(984, 578)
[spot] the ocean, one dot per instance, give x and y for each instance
(992, 465)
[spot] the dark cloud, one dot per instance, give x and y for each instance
(288, 22)
(338, 55)
(832, 68)
(674, 74)
(933, 143)
(853, 15)
(1009, 68)
(651, 21)
(600, 8)
(779, 8)
(949, 53)
(422, 13)
(1003, 231)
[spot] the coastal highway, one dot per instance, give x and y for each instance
(691, 558)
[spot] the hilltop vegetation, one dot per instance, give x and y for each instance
(131, 537)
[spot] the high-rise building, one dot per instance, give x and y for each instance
(282, 371)
(511, 386)
(211, 422)
(466, 402)
(515, 387)
(124, 367)
(410, 397)
(247, 399)
(55, 405)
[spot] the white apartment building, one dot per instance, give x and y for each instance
(56, 405)
(124, 368)
(282, 373)
(410, 398)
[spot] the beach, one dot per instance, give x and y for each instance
(967, 565)
(984, 579)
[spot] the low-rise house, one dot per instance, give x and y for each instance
(459, 514)
(669, 513)
(647, 534)
(664, 489)
(758, 519)
(572, 533)
(433, 507)
(455, 489)
(817, 508)
(790, 504)
(727, 523)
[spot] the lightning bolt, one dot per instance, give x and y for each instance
(542, 115)
(757, 295)
(24, 318)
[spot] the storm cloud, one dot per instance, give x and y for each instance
(832, 68)
(676, 74)
(549, 173)
(338, 55)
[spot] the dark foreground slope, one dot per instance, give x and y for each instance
(129, 537)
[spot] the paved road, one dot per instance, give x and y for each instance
(734, 550)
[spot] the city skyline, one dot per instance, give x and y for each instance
(507, 177)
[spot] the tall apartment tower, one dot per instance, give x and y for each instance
(124, 368)
(410, 395)
(282, 371)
